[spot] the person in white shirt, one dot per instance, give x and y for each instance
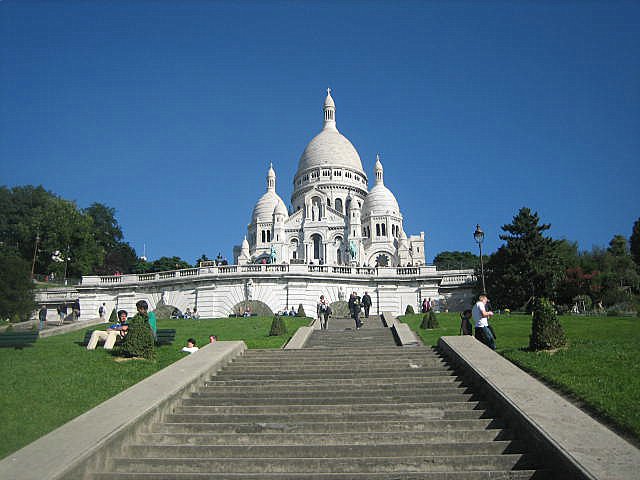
(191, 346)
(481, 318)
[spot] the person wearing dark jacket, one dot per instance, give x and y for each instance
(354, 307)
(366, 303)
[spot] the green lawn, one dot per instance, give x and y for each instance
(47, 385)
(600, 366)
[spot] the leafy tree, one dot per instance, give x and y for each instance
(16, 288)
(33, 216)
(121, 258)
(635, 242)
(527, 266)
(163, 264)
(203, 258)
(118, 255)
(453, 260)
(106, 229)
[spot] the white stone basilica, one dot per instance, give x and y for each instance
(335, 219)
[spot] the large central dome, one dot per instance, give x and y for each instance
(329, 148)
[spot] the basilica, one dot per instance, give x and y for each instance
(334, 217)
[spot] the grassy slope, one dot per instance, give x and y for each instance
(599, 367)
(47, 385)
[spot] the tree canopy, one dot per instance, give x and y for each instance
(527, 266)
(453, 260)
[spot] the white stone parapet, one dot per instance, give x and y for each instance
(461, 276)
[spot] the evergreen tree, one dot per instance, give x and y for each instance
(635, 243)
(139, 341)
(527, 266)
(546, 330)
(278, 327)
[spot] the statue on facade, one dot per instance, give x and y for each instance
(353, 250)
(341, 294)
(248, 290)
(272, 254)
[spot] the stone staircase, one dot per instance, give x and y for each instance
(350, 406)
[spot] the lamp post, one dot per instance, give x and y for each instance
(478, 236)
(35, 254)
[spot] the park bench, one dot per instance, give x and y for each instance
(164, 336)
(18, 339)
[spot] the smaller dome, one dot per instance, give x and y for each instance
(380, 201)
(281, 209)
(266, 207)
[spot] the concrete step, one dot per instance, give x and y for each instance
(371, 384)
(427, 378)
(285, 451)
(340, 399)
(329, 427)
(469, 475)
(343, 464)
(317, 408)
(410, 372)
(346, 416)
(355, 438)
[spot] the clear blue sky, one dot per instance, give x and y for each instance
(170, 111)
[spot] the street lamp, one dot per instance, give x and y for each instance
(478, 236)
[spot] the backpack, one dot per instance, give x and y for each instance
(101, 310)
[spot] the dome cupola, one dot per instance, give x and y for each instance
(380, 200)
(269, 203)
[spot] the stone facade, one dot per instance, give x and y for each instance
(334, 218)
(218, 291)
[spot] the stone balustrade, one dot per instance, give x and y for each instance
(451, 277)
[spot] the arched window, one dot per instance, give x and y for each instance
(384, 230)
(377, 229)
(339, 204)
(294, 248)
(317, 246)
(264, 236)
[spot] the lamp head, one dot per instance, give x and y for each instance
(478, 235)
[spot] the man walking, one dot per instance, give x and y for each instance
(323, 312)
(102, 311)
(42, 316)
(481, 318)
(366, 303)
(354, 307)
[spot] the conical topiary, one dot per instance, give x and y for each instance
(301, 311)
(429, 320)
(113, 318)
(546, 330)
(278, 327)
(139, 341)
(409, 310)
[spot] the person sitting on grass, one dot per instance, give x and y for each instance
(114, 332)
(191, 346)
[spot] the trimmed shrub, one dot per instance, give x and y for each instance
(546, 330)
(278, 327)
(139, 341)
(429, 320)
(113, 318)
(409, 310)
(301, 311)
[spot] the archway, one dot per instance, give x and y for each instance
(339, 247)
